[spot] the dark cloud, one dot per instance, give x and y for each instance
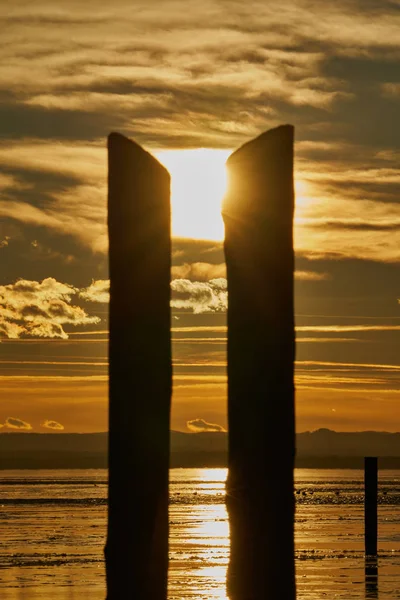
(363, 69)
(242, 75)
(36, 252)
(357, 226)
(376, 191)
(199, 425)
(53, 19)
(34, 184)
(22, 121)
(189, 251)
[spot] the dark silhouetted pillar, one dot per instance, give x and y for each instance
(371, 505)
(140, 373)
(258, 216)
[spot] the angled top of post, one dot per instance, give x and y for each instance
(283, 134)
(137, 184)
(131, 150)
(260, 177)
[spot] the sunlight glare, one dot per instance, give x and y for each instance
(303, 202)
(198, 183)
(301, 193)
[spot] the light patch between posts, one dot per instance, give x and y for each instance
(198, 184)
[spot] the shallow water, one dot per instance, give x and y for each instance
(53, 526)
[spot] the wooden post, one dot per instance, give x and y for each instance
(140, 372)
(371, 505)
(258, 216)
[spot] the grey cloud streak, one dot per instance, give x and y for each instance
(212, 75)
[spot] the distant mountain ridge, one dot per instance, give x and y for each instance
(321, 448)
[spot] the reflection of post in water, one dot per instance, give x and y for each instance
(371, 526)
(258, 216)
(371, 505)
(371, 577)
(140, 373)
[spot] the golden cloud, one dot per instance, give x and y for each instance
(200, 425)
(13, 423)
(39, 309)
(54, 425)
(98, 291)
(200, 296)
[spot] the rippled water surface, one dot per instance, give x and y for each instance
(53, 524)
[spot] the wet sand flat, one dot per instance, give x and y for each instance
(53, 529)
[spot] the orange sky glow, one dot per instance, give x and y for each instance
(191, 88)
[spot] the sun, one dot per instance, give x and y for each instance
(198, 183)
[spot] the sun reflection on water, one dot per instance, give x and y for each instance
(199, 535)
(54, 550)
(214, 475)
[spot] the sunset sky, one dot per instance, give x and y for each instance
(191, 81)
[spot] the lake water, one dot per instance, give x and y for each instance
(53, 523)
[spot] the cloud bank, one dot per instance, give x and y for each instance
(204, 75)
(39, 309)
(196, 296)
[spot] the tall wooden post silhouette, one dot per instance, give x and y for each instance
(140, 373)
(258, 216)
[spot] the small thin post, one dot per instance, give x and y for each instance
(371, 505)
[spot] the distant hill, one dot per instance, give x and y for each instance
(325, 442)
(320, 449)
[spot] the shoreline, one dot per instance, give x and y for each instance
(70, 460)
